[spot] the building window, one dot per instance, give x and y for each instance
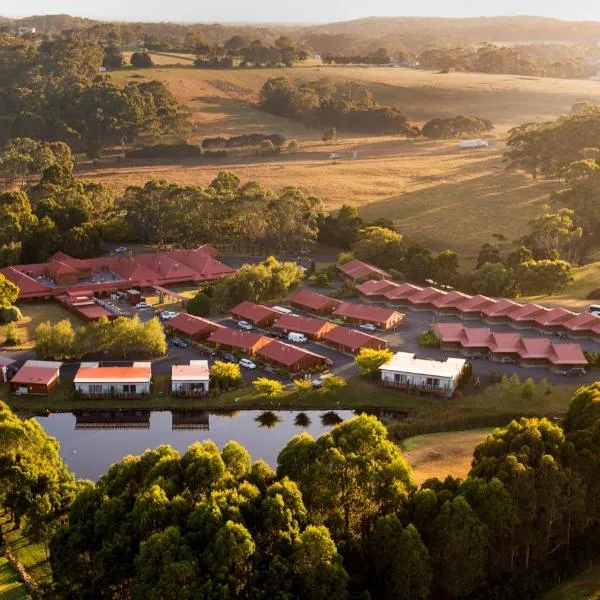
(95, 389)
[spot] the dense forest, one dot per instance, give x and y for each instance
(339, 518)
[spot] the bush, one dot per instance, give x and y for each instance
(292, 147)
(11, 336)
(140, 60)
(303, 386)
(226, 374)
(332, 382)
(322, 280)
(165, 151)
(428, 339)
(199, 305)
(269, 387)
(330, 135)
(9, 314)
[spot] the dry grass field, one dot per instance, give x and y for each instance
(442, 454)
(432, 192)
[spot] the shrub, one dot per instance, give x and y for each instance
(165, 151)
(303, 386)
(428, 339)
(332, 382)
(9, 314)
(226, 374)
(369, 360)
(269, 387)
(322, 280)
(330, 135)
(292, 147)
(199, 305)
(528, 389)
(11, 335)
(140, 60)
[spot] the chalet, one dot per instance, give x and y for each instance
(401, 294)
(374, 290)
(291, 358)
(313, 302)
(36, 377)
(257, 314)
(426, 299)
(357, 269)
(350, 341)
(5, 363)
(360, 314)
(232, 340)
(407, 372)
(313, 329)
(500, 311)
(449, 303)
(192, 327)
(94, 381)
(190, 381)
(472, 307)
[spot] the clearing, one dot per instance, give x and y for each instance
(442, 454)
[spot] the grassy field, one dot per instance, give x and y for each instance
(418, 184)
(442, 454)
(33, 315)
(10, 586)
(585, 586)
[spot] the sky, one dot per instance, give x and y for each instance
(305, 11)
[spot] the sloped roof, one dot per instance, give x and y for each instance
(28, 286)
(502, 307)
(402, 291)
(527, 312)
(567, 354)
(313, 300)
(426, 296)
(133, 374)
(301, 324)
(475, 303)
(450, 299)
(197, 370)
(37, 372)
(235, 338)
(286, 354)
(365, 312)
(375, 287)
(252, 312)
(406, 362)
(351, 338)
(356, 269)
(191, 325)
(582, 322)
(554, 316)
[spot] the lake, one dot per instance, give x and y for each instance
(91, 441)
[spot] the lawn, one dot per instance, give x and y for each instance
(31, 555)
(441, 454)
(11, 587)
(585, 586)
(33, 315)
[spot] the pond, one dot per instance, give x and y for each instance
(91, 441)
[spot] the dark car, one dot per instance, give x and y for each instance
(575, 372)
(179, 343)
(229, 357)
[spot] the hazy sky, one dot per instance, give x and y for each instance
(304, 11)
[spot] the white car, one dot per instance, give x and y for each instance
(368, 327)
(247, 363)
(296, 338)
(167, 315)
(142, 305)
(121, 249)
(245, 325)
(334, 156)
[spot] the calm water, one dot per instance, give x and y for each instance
(91, 441)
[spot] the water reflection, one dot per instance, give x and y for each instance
(302, 420)
(112, 419)
(331, 418)
(189, 419)
(267, 419)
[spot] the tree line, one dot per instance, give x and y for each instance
(340, 517)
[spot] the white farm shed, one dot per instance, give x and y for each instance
(406, 371)
(190, 381)
(472, 144)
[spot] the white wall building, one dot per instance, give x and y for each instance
(406, 371)
(191, 381)
(94, 381)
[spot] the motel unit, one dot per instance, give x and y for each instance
(313, 329)
(313, 302)
(36, 378)
(192, 327)
(190, 381)
(231, 340)
(291, 358)
(361, 314)
(357, 269)
(95, 381)
(257, 314)
(350, 341)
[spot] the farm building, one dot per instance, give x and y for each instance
(94, 381)
(36, 377)
(233, 340)
(257, 314)
(5, 363)
(190, 381)
(192, 327)
(291, 358)
(313, 302)
(375, 290)
(407, 372)
(351, 341)
(107, 274)
(313, 329)
(357, 269)
(360, 314)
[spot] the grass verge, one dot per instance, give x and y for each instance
(585, 586)
(11, 587)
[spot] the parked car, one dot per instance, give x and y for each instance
(507, 360)
(229, 358)
(305, 250)
(297, 338)
(334, 156)
(168, 315)
(575, 372)
(245, 326)
(121, 249)
(178, 342)
(477, 355)
(317, 382)
(142, 305)
(247, 363)
(368, 327)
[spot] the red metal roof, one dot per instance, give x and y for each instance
(502, 307)
(403, 291)
(313, 300)
(252, 312)
(356, 269)
(351, 338)
(505, 342)
(375, 287)
(196, 370)
(475, 304)
(93, 312)
(451, 299)
(527, 312)
(582, 322)
(192, 325)
(449, 332)
(555, 316)
(426, 296)
(365, 312)
(286, 354)
(244, 340)
(34, 375)
(567, 354)
(300, 324)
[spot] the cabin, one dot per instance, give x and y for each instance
(375, 290)
(361, 314)
(291, 358)
(5, 363)
(231, 340)
(313, 302)
(190, 381)
(192, 327)
(357, 269)
(36, 378)
(407, 372)
(350, 341)
(257, 314)
(313, 329)
(94, 381)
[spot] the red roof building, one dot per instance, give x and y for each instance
(525, 315)
(449, 303)
(351, 341)
(500, 310)
(313, 302)
(244, 341)
(553, 318)
(192, 327)
(375, 289)
(94, 381)
(425, 299)
(83, 306)
(290, 357)
(471, 307)
(36, 377)
(314, 329)
(357, 269)
(359, 314)
(401, 294)
(257, 314)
